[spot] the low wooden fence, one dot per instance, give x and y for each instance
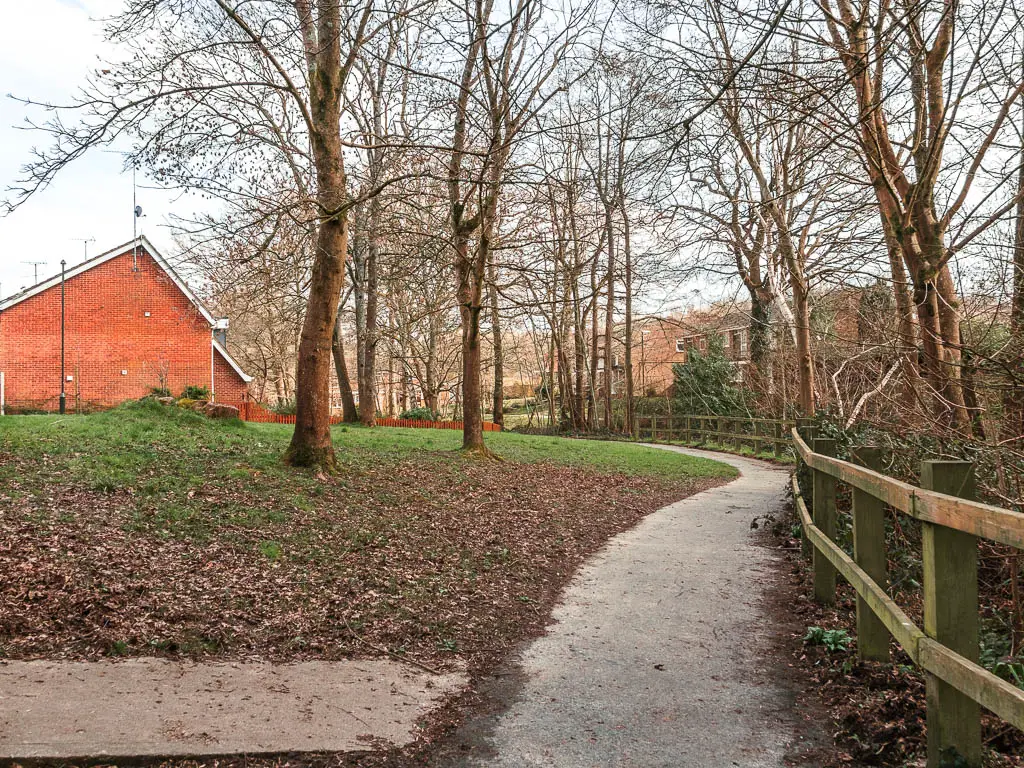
(727, 431)
(951, 521)
(250, 411)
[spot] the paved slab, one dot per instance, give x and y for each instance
(154, 707)
(657, 654)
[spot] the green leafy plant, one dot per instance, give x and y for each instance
(195, 392)
(705, 383)
(284, 407)
(419, 414)
(832, 640)
(995, 656)
(160, 392)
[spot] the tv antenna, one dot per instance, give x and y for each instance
(85, 246)
(136, 208)
(35, 269)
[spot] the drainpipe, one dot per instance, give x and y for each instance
(213, 390)
(63, 394)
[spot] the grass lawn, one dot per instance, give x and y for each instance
(154, 531)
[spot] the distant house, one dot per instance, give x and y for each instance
(131, 326)
(661, 342)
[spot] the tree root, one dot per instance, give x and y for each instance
(322, 459)
(481, 452)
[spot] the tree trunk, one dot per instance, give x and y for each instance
(609, 324)
(906, 329)
(349, 414)
(498, 408)
(627, 259)
(311, 441)
(579, 363)
(368, 358)
(1013, 397)
(592, 390)
(805, 359)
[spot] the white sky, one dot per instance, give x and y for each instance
(47, 47)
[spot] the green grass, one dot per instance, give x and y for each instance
(170, 457)
(155, 530)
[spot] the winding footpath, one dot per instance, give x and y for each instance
(660, 653)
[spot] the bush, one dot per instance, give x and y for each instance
(159, 392)
(195, 392)
(418, 414)
(704, 384)
(284, 407)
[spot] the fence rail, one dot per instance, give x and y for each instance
(250, 411)
(728, 431)
(947, 646)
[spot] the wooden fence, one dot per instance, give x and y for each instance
(951, 521)
(250, 411)
(727, 431)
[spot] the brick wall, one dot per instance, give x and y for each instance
(126, 332)
(229, 386)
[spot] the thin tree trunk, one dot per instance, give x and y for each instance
(498, 407)
(805, 359)
(368, 359)
(349, 414)
(627, 260)
(592, 390)
(609, 323)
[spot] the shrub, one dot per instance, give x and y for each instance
(284, 407)
(704, 384)
(159, 392)
(195, 392)
(418, 414)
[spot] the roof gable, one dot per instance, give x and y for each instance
(102, 258)
(231, 361)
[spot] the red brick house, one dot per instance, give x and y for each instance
(131, 325)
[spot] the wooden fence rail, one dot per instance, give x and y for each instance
(727, 431)
(947, 647)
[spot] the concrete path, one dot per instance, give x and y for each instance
(152, 707)
(659, 653)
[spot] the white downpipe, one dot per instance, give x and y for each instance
(213, 368)
(3, 394)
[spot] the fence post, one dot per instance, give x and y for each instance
(654, 428)
(950, 585)
(869, 553)
(824, 519)
(777, 430)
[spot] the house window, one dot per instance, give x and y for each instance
(680, 345)
(703, 343)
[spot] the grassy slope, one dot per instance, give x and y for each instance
(153, 451)
(155, 531)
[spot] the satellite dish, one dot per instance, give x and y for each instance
(138, 211)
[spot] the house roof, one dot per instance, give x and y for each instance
(231, 361)
(162, 262)
(102, 258)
